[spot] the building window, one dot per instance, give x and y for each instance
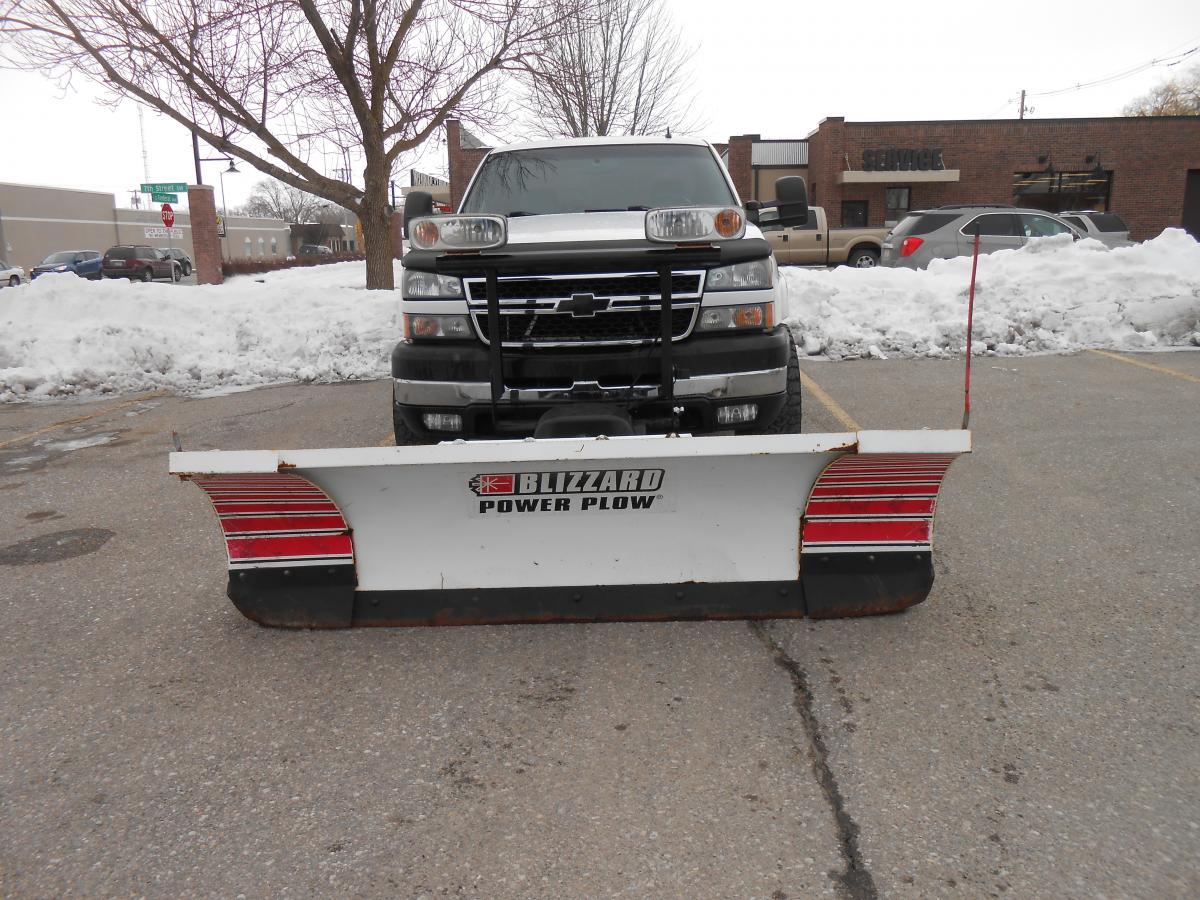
(247, 247)
(897, 203)
(274, 246)
(854, 213)
(262, 245)
(1060, 191)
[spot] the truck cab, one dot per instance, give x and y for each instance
(814, 243)
(600, 285)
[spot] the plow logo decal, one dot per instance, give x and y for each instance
(590, 490)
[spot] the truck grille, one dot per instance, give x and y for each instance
(522, 328)
(614, 308)
(639, 286)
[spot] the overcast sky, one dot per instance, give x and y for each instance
(772, 67)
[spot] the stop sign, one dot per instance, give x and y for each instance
(168, 215)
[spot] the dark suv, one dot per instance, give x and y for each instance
(185, 261)
(136, 261)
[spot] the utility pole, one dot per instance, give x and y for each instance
(1022, 103)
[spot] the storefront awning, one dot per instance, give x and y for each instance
(896, 177)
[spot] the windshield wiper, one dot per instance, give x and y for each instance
(519, 212)
(618, 209)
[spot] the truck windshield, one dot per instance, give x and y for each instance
(599, 178)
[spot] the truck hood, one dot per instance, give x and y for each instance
(598, 226)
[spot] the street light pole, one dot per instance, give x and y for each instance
(232, 170)
(224, 212)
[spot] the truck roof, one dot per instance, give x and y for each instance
(600, 142)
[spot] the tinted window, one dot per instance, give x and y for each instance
(1076, 221)
(995, 224)
(601, 178)
(119, 253)
(91, 254)
(923, 223)
(1042, 226)
(1109, 222)
(60, 258)
(147, 252)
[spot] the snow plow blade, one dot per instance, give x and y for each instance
(579, 529)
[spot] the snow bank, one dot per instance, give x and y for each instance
(1051, 296)
(60, 335)
(63, 336)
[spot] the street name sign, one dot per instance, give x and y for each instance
(163, 187)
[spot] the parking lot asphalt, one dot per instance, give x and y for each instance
(1030, 730)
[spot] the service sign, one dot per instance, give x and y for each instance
(903, 160)
(584, 491)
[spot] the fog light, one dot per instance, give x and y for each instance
(442, 421)
(737, 415)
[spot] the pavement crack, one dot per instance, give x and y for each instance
(855, 881)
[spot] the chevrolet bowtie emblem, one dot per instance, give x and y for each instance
(583, 305)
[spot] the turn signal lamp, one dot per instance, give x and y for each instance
(458, 232)
(909, 245)
(694, 224)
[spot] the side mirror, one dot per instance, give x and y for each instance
(416, 204)
(791, 198)
(752, 207)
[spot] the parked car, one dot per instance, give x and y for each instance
(84, 263)
(949, 231)
(314, 250)
(1106, 227)
(139, 262)
(10, 276)
(185, 261)
(816, 244)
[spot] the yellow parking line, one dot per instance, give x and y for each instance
(389, 441)
(828, 402)
(75, 421)
(1145, 365)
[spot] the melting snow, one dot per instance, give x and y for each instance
(62, 336)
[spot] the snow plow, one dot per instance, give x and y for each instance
(593, 308)
(579, 529)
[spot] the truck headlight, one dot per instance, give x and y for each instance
(420, 326)
(690, 224)
(747, 276)
(430, 284)
(732, 318)
(458, 232)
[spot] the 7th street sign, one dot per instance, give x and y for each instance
(163, 187)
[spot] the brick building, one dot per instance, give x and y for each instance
(873, 173)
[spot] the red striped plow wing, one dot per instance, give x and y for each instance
(874, 502)
(277, 520)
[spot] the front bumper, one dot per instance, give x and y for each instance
(709, 371)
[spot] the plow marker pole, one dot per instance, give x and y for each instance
(970, 324)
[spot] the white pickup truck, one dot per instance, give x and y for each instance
(814, 243)
(594, 286)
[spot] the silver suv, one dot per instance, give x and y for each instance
(949, 231)
(1108, 228)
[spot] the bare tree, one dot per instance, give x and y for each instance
(1178, 97)
(273, 199)
(270, 81)
(615, 67)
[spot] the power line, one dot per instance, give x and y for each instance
(1119, 76)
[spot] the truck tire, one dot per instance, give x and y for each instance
(789, 419)
(863, 258)
(405, 436)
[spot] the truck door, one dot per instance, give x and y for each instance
(777, 236)
(807, 241)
